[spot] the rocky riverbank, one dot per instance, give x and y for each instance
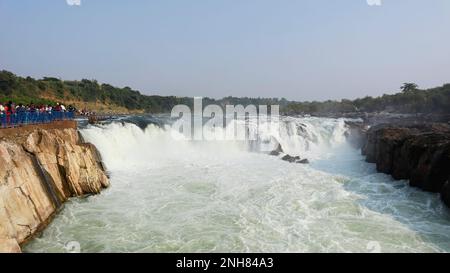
(418, 152)
(41, 167)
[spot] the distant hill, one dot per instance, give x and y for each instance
(410, 100)
(87, 94)
(90, 95)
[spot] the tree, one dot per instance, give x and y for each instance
(408, 87)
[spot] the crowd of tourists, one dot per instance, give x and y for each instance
(12, 114)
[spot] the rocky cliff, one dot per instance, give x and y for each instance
(417, 152)
(40, 168)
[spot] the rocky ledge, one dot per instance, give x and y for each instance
(417, 152)
(41, 167)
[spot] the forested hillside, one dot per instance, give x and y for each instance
(81, 93)
(106, 98)
(410, 99)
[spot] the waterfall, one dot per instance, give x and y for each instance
(127, 143)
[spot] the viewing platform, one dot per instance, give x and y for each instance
(18, 119)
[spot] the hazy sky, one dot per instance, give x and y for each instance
(301, 50)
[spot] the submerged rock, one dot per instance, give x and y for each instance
(295, 159)
(290, 159)
(277, 151)
(303, 161)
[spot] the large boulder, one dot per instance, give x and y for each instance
(73, 167)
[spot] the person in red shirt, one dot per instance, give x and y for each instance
(8, 114)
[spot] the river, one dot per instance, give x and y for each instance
(220, 196)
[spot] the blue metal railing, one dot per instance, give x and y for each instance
(25, 117)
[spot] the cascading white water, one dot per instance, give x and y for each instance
(307, 137)
(176, 195)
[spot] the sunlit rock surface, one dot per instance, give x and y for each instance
(40, 168)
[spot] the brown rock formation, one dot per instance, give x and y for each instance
(420, 153)
(39, 170)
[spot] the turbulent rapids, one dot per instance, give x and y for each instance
(175, 195)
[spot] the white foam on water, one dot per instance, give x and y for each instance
(183, 196)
